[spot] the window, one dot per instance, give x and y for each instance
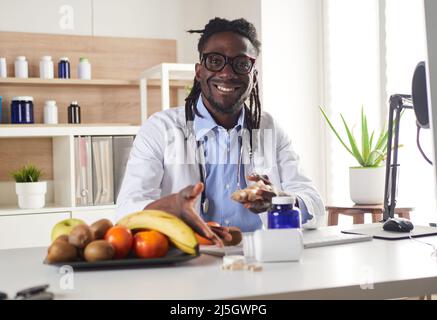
(361, 69)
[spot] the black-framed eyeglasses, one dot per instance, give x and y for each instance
(216, 62)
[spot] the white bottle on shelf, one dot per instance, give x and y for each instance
(50, 112)
(3, 69)
(84, 69)
(46, 68)
(21, 68)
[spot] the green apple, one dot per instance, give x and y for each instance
(64, 227)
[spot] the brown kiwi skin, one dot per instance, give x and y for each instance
(237, 237)
(99, 228)
(61, 251)
(80, 236)
(63, 237)
(99, 250)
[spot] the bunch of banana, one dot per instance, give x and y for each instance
(178, 232)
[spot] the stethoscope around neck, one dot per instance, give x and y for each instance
(200, 156)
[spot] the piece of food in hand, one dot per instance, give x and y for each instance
(99, 250)
(150, 244)
(80, 236)
(237, 237)
(61, 251)
(121, 239)
(249, 194)
(202, 240)
(99, 228)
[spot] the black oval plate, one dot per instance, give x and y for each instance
(173, 256)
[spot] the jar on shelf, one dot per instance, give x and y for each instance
(50, 112)
(84, 69)
(3, 68)
(74, 112)
(22, 110)
(21, 67)
(64, 68)
(283, 213)
(46, 68)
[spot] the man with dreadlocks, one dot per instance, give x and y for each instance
(234, 142)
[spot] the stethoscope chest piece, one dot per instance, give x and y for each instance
(205, 205)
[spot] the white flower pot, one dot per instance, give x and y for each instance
(367, 185)
(31, 195)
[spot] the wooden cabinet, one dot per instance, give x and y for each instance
(110, 105)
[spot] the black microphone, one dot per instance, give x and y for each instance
(419, 96)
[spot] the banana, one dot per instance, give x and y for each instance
(185, 248)
(179, 233)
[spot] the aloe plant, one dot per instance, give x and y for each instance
(27, 173)
(371, 154)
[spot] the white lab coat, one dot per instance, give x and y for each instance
(163, 161)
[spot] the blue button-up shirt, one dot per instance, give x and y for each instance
(222, 149)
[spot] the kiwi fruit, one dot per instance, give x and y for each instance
(63, 237)
(99, 228)
(99, 250)
(237, 236)
(80, 236)
(61, 251)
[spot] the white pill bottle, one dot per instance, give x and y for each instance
(273, 245)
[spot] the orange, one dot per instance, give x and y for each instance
(203, 240)
(150, 244)
(121, 239)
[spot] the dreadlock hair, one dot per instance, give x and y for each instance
(247, 30)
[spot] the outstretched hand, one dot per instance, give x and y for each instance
(182, 205)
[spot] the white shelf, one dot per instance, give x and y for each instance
(14, 210)
(67, 82)
(43, 130)
(50, 208)
(179, 82)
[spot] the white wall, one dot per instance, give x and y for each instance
(163, 19)
(292, 73)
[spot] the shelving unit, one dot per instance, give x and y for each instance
(164, 73)
(111, 96)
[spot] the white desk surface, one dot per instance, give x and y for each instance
(397, 269)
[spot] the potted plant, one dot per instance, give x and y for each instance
(30, 191)
(366, 181)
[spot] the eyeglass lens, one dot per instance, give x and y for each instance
(240, 64)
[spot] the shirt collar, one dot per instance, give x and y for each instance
(203, 125)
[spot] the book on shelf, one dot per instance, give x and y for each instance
(122, 146)
(83, 171)
(103, 179)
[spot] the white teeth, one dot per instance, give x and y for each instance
(225, 89)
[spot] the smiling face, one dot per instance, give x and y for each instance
(225, 91)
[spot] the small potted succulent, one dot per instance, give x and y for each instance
(30, 191)
(366, 181)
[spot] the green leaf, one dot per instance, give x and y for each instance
(335, 131)
(371, 140)
(365, 148)
(27, 173)
(353, 143)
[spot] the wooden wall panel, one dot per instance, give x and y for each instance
(110, 57)
(15, 153)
